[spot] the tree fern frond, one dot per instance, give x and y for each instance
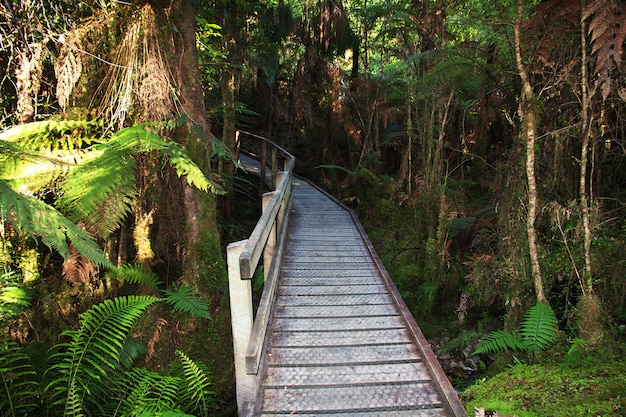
(185, 299)
(539, 327)
(608, 34)
(185, 166)
(135, 274)
(38, 219)
(500, 340)
(53, 135)
(198, 395)
(101, 190)
(14, 296)
(94, 351)
(18, 384)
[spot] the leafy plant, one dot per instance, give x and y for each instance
(90, 360)
(32, 216)
(185, 299)
(101, 190)
(537, 331)
(197, 395)
(14, 296)
(19, 386)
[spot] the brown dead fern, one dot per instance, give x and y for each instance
(608, 33)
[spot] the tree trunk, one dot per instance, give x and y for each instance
(584, 160)
(528, 118)
(589, 307)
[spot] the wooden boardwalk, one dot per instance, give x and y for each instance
(340, 341)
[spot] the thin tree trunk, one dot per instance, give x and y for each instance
(528, 117)
(584, 160)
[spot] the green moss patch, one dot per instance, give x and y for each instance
(598, 389)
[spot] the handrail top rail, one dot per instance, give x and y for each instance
(253, 249)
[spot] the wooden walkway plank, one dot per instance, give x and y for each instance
(339, 343)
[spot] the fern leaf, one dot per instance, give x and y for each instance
(14, 296)
(94, 352)
(198, 395)
(134, 274)
(185, 299)
(18, 384)
(539, 327)
(38, 219)
(101, 190)
(608, 34)
(185, 166)
(500, 340)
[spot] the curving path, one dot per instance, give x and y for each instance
(341, 341)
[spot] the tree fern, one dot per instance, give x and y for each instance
(537, 331)
(90, 358)
(102, 189)
(19, 389)
(198, 397)
(36, 218)
(185, 299)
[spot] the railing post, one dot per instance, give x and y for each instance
(268, 252)
(241, 319)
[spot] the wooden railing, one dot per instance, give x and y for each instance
(267, 241)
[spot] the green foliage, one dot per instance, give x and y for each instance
(142, 391)
(464, 339)
(53, 135)
(14, 296)
(185, 299)
(553, 390)
(537, 331)
(134, 274)
(20, 393)
(197, 396)
(36, 218)
(88, 362)
(539, 327)
(102, 189)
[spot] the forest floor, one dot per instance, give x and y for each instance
(588, 385)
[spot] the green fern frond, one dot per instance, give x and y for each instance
(143, 391)
(185, 166)
(92, 356)
(220, 151)
(185, 299)
(539, 327)
(101, 190)
(18, 381)
(53, 135)
(500, 340)
(14, 296)
(198, 395)
(135, 274)
(38, 219)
